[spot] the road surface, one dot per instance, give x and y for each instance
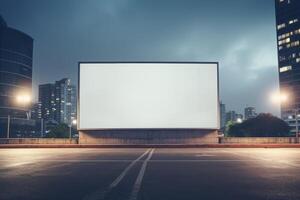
(150, 174)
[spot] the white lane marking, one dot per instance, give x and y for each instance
(59, 160)
(16, 164)
(204, 155)
(100, 194)
(288, 163)
(139, 179)
(118, 180)
(221, 160)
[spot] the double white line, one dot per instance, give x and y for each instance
(138, 181)
(100, 194)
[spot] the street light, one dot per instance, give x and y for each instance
(22, 100)
(239, 120)
(73, 122)
(281, 98)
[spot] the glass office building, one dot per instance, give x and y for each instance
(16, 50)
(288, 38)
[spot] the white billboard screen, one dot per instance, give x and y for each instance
(148, 96)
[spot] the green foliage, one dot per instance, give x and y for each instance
(59, 131)
(228, 127)
(264, 125)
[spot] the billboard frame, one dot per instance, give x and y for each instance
(146, 62)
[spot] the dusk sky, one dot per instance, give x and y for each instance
(239, 34)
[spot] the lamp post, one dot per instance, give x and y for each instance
(73, 122)
(8, 125)
(42, 127)
(282, 98)
(297, 127)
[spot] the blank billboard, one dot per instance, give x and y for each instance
(148, 96)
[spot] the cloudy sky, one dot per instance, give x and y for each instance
(239, 34)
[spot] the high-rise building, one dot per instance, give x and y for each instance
(58, 101)
(65, 100)
(222, 115)
(288, 38)
(72, 105)
(230, 116)
(249, 113)
(47, 101)
(16, 50)
(15, 69)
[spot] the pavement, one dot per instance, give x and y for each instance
(150, 173)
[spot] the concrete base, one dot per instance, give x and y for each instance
(258, 140)
(153, 136)
(39, 141)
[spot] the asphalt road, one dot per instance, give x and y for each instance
(150, 174)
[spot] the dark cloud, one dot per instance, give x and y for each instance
(240, 34)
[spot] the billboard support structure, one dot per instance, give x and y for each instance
(148, 102)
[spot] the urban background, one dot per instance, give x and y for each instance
(53, 114)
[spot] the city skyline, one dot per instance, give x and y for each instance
(96, 32)
(149, 99)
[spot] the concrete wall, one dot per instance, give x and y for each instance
(156, 137)
(38, 141)
(148, 137)
(258, 140)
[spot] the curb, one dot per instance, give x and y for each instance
(3, 146)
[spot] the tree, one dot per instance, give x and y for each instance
(59, 131)
(228, 126)
(264, 125)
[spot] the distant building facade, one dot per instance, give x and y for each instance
(66, 100)
(16, 51)
(47, 101)
(249, 112)
(232, 116)
(288, 38)
(36, 111)
(222, 115)
(58, 101)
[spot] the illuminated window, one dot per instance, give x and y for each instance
(294, 44)
(285, 69)
(285, 35)
(293, 21)
(280, 26)
(287, 40)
